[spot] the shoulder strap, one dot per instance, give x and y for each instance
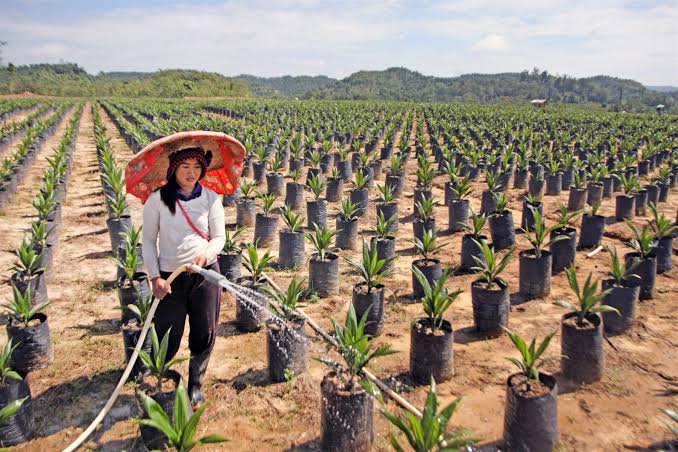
(190, 223)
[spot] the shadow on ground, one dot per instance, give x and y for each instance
(78, 401)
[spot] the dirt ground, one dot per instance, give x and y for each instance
(618, 413)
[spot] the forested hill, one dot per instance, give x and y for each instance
(69, 79)
(286, 86)
(403, 84)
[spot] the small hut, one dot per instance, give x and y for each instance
(538, 103)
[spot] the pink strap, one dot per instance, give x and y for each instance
(190, 223)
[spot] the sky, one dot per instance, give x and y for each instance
(636, 39)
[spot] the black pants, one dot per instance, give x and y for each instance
(200, 300)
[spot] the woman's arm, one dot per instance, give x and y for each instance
(217, 225)
(149, 242)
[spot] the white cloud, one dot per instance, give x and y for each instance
(491, 42)
(267, 37)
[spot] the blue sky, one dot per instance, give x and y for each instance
(635, 39)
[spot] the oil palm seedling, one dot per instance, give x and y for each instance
(453, 172)
(430, 432)
(387, 204)
(157, 361)
(131, 331)
(323, 264)
(335, 186)
(259, 166)
(133, 284)
(314, 157)
(430, 266)
(623, 287)
(28, 327)
(384, 240)
(368, 295)
(536, 183)
(563, 251)
(644, 245)
(672, 421)
(531, 414)
(16, 414)
(359, 195)
(44, 205)
(296, 151)
(28, 271)
(347, 225)
(396, 174)
(577, 198)
(554, 178)
(663, 231)
(346, 421)
(119, 221)
(522, 168)
(344, 165)
(291, 239)
(534, 201)
(245, 208)
(294, 191)
(592, 227)
(459, 206)
(626, 203)
(567, 168)
(502, 228)
(287, 343)
(425, 217)
(487, 203)
(365, 162)
(425, 174)
(250, 310)
(275, 179)
(474, 233)
(40, 240)
(594, 186)
(230, 257)
(490, 292)
(316, 209)
(535, 264)
(431, 354)
(582, 330)
(266, 222)
(177, 427)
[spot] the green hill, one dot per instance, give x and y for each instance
(286, 86)
(404, 84)
(663, 89)
(70, 80)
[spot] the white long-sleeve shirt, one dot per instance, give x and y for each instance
(169, 241)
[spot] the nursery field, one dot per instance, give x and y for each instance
(429, 167)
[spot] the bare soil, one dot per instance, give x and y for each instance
(619, 412)
(534, 390)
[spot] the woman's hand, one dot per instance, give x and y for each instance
(161, 288)
(200, 260)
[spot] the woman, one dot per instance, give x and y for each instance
(184, 223)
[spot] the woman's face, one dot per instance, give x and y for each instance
(188, 173)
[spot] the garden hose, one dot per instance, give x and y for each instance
(128, 370)
(215, 278)
(382, 386)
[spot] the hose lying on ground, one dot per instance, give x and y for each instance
(213, 278)
(128, 370)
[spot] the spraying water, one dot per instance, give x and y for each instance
(254, 301)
